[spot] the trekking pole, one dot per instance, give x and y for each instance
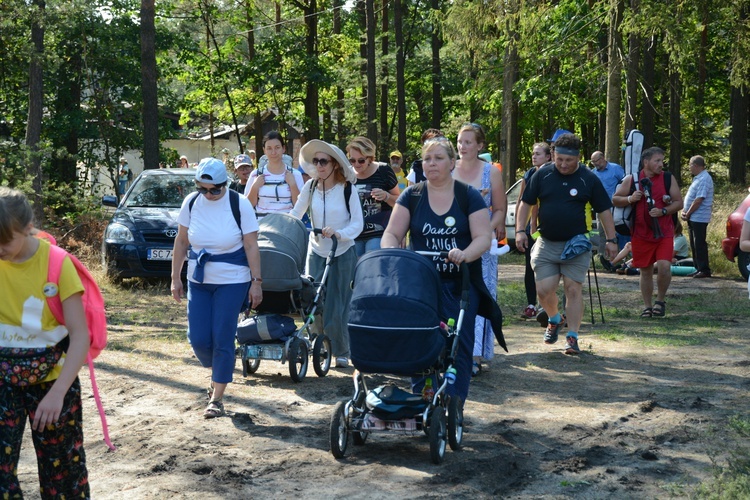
(591, 298)
(599, 295)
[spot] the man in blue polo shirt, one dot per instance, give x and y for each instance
(697, 213)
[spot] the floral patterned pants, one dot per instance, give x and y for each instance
(59, 448)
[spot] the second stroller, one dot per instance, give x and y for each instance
(410, 340)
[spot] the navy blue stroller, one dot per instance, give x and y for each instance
(395, 328)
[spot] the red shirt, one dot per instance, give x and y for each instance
(643, 227)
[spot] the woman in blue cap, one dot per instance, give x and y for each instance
(221, 231)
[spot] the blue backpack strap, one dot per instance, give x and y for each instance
(234, 204)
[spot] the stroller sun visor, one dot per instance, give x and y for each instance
(282, 242)
(394, 321)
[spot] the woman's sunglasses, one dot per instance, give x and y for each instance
(216, 190)
(361, 161)
(321, 161)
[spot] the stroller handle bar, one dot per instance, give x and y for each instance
(334, 240)
(465, 284)
(465, 275)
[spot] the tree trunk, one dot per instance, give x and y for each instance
(437, 43)
(384, 111)
(614, 83)
(648, 111)
(68, 105)
(738, 116)
(257, 121)
(340, 109)
(634, 62)
(36, 105)
(398, 20)
(150, 112)
(509, 145)
(372, 105)
(675, 126)
(312, 110)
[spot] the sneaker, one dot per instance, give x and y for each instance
(607, 265)
(552, 331)
(529, 313)
(572, 345)
(342, 362)
(542, 317)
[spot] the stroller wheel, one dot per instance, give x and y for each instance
(249, 366)
(339, 431)
(455, 424)
(321, 355)
(437, 435)
(298, 358)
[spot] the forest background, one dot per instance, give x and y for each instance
(82, 81)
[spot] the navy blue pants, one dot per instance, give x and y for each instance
(213, 311)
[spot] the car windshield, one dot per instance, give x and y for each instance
(513, 192)
(164, 191)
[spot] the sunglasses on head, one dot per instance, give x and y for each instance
(216, 190)
(361, 161)
(321, 161)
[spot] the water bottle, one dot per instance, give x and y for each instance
(450, 375)
(428, 392)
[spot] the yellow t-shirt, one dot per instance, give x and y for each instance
(25, 318)
(401, 178)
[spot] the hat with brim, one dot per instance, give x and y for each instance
(211, 171)
(313, 146)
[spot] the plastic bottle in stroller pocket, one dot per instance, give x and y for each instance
(428, 392)
(450, 375)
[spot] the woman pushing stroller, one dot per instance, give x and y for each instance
(442, 214)
(336, 214)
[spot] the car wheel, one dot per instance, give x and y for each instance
(743, 261)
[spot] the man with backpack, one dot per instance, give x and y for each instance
(562, 191)
(656, 199)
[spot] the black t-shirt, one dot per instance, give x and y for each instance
(376, 213)
(440, 233)
(562, 200)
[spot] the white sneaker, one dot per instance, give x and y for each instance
(342, 362)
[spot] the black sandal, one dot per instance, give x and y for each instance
(659, 309)
(214, 409)
(647, 312)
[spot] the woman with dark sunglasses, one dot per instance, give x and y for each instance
(223, 272)
(330, 211)
(378, 190)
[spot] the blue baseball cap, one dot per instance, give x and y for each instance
(211, 171)
(242, 160)
(558, 133)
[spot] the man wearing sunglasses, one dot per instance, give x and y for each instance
(223, 272)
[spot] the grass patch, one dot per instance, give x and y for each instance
(730, 455)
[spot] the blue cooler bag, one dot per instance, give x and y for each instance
(265, 328)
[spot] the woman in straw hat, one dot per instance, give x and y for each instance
(335, 214)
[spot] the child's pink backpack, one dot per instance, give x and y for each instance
(93, 306)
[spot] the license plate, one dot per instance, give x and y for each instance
(159, 254)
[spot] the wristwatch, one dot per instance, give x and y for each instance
(664, 211)
(611, 240)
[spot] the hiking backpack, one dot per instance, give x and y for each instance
(93, 306)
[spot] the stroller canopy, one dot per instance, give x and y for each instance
(394, 320)
(282, 241)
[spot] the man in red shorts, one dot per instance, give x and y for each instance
(655, 198)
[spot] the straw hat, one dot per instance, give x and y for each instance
(317, 146)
